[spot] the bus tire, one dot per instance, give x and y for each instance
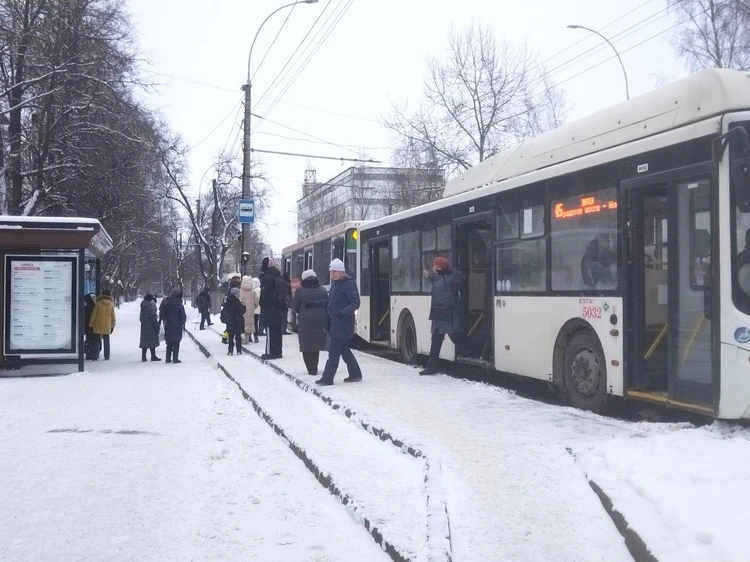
(407, 344)
(585, 372)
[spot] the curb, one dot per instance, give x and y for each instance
(325, 480)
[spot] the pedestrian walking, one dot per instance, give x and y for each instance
(311, 320)
(343, 300)
(445, 309)
(174, 318)
(247, 296)
(203, 302)
(256, 312)
(103, 320)
(232, 316)
(92, 339)
(273, 297)
(149, 328)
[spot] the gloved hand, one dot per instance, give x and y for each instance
(340, 315)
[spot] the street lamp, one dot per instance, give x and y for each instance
(627, 90)
(247, 87)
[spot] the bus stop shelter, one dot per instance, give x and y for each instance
(48, 265)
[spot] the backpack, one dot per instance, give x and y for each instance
(224, 315)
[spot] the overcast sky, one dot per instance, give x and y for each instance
(198, 51)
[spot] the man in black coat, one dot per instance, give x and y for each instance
(273, 299)
(445, 309)
(232, 316)
(203, 302)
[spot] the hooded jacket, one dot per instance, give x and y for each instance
(103, 316)
(149, 325)
(247, 296)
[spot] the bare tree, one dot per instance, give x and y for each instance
(714, 33)
(481, 99)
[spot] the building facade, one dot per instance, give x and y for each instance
(363, 193)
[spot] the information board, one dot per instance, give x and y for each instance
(40, 304)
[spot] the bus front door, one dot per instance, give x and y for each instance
(474, 259)
(670, 290)
(380, 291)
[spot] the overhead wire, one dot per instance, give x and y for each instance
(288, 15)
(312, 54)
(239, 103)
(299, 45)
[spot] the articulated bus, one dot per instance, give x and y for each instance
(316, 253)
(610, 257)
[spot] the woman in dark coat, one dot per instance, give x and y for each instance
(174, 324)
(149, 328)
(445, 309)
(311, 321)
(232, 316)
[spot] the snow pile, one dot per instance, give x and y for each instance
(686, 493)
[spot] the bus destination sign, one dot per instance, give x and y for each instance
(589, 205)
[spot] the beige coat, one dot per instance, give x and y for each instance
(247, 296)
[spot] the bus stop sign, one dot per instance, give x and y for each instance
(247, 211)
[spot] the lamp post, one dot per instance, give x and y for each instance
(627, 90)
(247, 88)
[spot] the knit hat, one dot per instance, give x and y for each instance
(308, 273)
(148, 297)
(337, 265)
(441, 263)
(235, 291)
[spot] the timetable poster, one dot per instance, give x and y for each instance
(41, 305)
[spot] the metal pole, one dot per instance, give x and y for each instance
(246, 153)
(246, 161)
(627, 89)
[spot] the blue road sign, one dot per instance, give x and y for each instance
(247, 211)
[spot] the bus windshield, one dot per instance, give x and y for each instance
(741, 234)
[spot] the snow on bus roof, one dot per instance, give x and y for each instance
(705, 94)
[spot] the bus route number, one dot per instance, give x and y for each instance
(592, 311)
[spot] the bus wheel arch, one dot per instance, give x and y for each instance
(579, 368)
(407, 338)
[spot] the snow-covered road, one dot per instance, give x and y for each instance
(155, 462)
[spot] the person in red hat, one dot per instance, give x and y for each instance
(445, 308)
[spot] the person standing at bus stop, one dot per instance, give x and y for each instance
(343, 301)
(445, 309)
(103, 320)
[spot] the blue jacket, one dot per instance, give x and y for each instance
(343, 300)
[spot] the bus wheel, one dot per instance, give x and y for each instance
(585, 372)
(407, 344)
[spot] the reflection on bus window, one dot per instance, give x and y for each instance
(584, 242)
(407, 274)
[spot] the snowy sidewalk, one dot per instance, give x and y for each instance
(155, 462)
(515, 491)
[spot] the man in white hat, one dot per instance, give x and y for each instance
(343, 300)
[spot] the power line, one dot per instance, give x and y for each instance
(289, 14)
(269, 89)
(342, 159)
(303, 133)
(312, 54)
(354, 146)
(585, 38)
(217, 126)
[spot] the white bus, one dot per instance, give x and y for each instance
(607, 257)
(317, 251)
